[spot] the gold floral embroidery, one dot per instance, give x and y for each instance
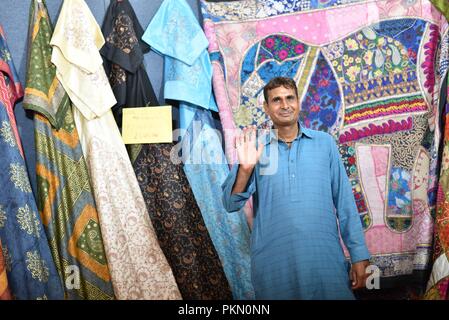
(37, 266)
(6, 134)
(179, 225)
(3, 217)
(7, 256)
(19, 177)
(28, 221)
(117, 75)
(123, 35)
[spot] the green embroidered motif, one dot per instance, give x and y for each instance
(91, 243)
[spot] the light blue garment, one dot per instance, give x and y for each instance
(295, 247)
(176, 34)
(206, 169)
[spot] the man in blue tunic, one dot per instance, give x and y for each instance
(300, 207)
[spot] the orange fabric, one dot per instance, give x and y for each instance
(4, 290)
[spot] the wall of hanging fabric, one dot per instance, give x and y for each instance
(15, 24)
(132, 229)
(370, 73)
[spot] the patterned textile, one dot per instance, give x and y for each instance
(188, 77)
(179, 225)
(237, 10)
(369, 73)
(80, 48)
(5, 294)
(43, 93)
(442, 6)
(66, 203)
(173, 211)
(438, 285)
(206, 169)
(137, 265)
(123, 59)
(29, 265)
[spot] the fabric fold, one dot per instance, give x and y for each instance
(188, 79)
(175, 215)
(123, 59)
(75, 25)
(30, 268)
(65, 199)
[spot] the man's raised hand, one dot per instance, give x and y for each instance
(247, 152)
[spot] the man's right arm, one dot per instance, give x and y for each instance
(238, 188)
(241, 183)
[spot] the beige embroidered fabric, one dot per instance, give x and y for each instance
(139, 269)
(76, 41)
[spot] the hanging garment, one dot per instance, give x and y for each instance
(179, 225)
(43, 93)
(188, 78)
(123, 63)
(137, 265)
(30, 268)
(173, 210)
(438, 285)
(65, 198)
(371, 80)
(5, 294)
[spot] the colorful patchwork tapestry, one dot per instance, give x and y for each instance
(369, 73)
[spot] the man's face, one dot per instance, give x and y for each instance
(282, 106)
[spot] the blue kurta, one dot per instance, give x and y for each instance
(295, 246)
